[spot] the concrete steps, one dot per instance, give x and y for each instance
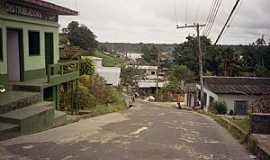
(24, 112)
(60, 118)
(12, 100)
(8, 130)
(34, 118)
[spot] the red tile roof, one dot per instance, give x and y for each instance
(238, 85)
(59, 10)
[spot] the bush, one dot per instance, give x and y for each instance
(87, 100)
(87, 67)
(218, 107)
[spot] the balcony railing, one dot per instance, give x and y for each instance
(63, 72)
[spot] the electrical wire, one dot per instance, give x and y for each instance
(209, 15)
(227, 21)
(233, 17)
(214, 17)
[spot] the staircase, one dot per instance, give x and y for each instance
(24, 112)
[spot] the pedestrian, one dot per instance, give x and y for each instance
(179, 102)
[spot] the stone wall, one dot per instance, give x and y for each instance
(260, 123)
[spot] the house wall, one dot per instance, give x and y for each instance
(34, 66)
(230, 99)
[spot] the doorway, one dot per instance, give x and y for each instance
(15, 63)
(49, 50)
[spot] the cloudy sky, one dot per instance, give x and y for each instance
(154, 21)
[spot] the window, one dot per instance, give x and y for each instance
(153, 73)
(1, 45)
(34, 43)
(240, 107)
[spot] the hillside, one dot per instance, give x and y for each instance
(135, 47)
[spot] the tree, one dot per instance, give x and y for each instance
(181, 73)
(81, 35)
(129, 74)
(150, 54)
(187, 53)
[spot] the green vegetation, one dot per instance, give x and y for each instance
(150, 54)
(80, 35)
(87, 67)
(218, 108)
(243, 123)
(129, 74)
(251, 60)
(233, 128)
(108, 60)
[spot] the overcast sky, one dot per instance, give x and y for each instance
(154, 21)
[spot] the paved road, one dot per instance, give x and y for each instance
(145, 132)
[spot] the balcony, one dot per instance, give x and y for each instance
(56, 74)
(63, 72)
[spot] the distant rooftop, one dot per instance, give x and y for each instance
(144, 67)
(238, 85)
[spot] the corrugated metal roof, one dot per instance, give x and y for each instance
(238, 85)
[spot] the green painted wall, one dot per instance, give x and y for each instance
(29, 24)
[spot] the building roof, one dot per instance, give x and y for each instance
(91, 57)
(59, 10)
(150, 84)
(144, 67)
(238, 85)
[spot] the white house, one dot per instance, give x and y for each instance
(110, 74)
(134, 56)
(237, 92)
(150, 72)
(147, 87)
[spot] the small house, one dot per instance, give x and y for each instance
(29, 65)
(237, 92)
(111, 75)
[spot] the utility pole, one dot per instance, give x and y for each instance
(200, 55)
(158, 66)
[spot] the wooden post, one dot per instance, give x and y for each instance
(197, 26)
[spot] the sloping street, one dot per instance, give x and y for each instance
(145, 131)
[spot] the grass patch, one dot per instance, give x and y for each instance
(108, 60)
(118, 105)
(232, 127)
(242, 123)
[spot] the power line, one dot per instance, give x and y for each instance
(228, 20)
(214, 17)
(233, 17)
(210, 14)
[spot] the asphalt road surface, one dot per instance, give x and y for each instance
(145, 132)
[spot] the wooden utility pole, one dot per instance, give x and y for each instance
(200, 55)
(158, 66)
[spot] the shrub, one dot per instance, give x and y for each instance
(87, 100)
(218, 107)
(87, 67)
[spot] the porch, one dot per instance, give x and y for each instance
(49, 86)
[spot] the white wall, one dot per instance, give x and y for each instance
(230, 99)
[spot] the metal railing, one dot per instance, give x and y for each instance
(62, 69)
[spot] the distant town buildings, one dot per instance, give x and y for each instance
(134, 56)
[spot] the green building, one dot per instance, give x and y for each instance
(29, 52)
